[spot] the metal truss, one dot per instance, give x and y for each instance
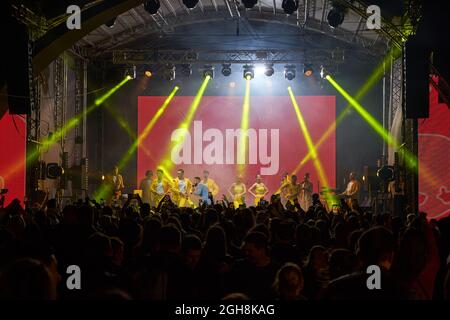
(161, 57)
(396, 88)
(173, 22)
(396, 34)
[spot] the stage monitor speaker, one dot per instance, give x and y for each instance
(417, 71)
(17, 68)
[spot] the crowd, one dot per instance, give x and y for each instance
(218, 252)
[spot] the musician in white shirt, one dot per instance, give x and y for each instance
(353, 187)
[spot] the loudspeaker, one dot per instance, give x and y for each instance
(17, 68)
(417, 70)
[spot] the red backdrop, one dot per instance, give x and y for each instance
(434, 150)
(12, 149)
(268, 114)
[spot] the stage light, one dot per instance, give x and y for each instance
(249, 3)
(130, 72)
(208, 71)
(169, 72)
(152, 6)
(289, 6)
(226, 69)
(54, 171)
(186, 70)
(259, 70)
(269, 70)
(308, 70)
(289, 72)
(110, 23)
(249, 72)
(190, 4)
(323, 72)
(336, 15)
(148, 73)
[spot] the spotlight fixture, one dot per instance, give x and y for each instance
(269, 70)
(208, 71)
(323, 72)
(308, 70)
(289, 6)
(54, 171)
(336, 14)
(249, 3)
(152, 6)
(110, 23)
(186, 70)
(249, 72)
(148, 73)
(130, 72)
(226, 69)
(169, 72)
(289, 72)
(190, 4)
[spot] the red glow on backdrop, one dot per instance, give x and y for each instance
(434, 149)
(12, 148)
(273, 121)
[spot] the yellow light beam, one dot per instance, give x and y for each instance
(166, 163)
(410, 159)
(316, 161)
(124, 125)
(241, 152)
(368, 85)
(137, 143)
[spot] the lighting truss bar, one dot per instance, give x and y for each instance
(137, 57)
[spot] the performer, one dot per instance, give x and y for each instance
(352, 190)
(181, 189)
(117, 184)
(396, 189)
(306, 190)
(145, 186)
(212, 185)
(292, 190)
(285, 181)
(258, 190)
(201, 190)
(237, 191)
(159, 187)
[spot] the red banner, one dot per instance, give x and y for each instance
(12, 146)
(434, 160)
